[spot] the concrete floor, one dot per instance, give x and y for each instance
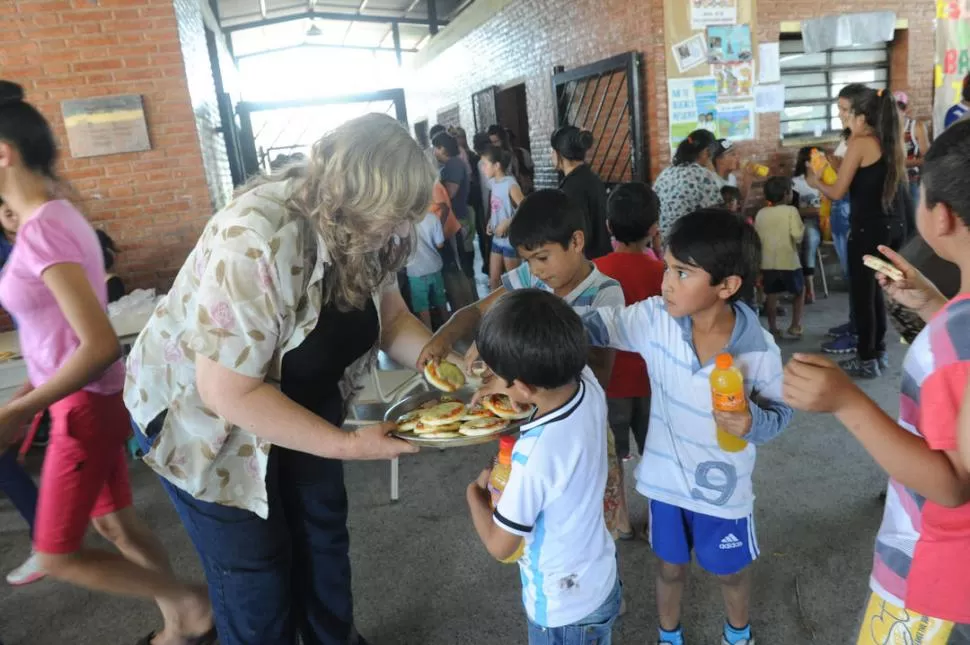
(422, 577)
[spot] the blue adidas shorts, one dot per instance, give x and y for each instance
(723, 547)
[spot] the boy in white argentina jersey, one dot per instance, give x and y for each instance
(701, 496)
(535, 347)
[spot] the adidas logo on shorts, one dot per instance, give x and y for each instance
(730, 541)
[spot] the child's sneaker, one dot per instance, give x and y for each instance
(734, 636)
(858, 368)
(675, 637)
(841, 345)
(29, 571)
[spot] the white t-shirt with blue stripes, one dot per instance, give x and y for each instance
(554, 499)
(597, 290)
(683, 465)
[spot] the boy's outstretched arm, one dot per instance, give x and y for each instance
(624, 328)
(815, 384)
(461, 325)
(500, 543)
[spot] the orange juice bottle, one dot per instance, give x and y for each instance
(758, 170)
(499, 479)
(727, 393)
(822, 167)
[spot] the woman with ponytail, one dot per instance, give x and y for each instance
(54, 285)
(570, 146)
(873, 174)
(690, 183)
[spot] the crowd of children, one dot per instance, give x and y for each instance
(604, 349)
(664, 335)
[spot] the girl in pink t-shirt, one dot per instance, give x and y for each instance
(54, 285)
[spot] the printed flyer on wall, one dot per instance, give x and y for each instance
(729, 44)
(735, 121)
(704, 13)
(735, 81)
(690, 53)
(693, 106)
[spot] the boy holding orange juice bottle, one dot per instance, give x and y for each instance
(699, 486)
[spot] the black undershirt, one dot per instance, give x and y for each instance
(311, 372)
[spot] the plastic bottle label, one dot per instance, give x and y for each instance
(730, 402)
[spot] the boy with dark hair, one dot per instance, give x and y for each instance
(920, 574)
(701, 496)
(633, 212)
(548, 234)
(780, 227)
(535, 347)
(732, 199)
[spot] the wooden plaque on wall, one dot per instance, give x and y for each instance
(106, 125)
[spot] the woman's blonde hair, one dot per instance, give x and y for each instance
(362, 183)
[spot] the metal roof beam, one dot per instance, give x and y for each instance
(327, 15)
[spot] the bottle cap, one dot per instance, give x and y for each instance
(506, 443)
(724, 361)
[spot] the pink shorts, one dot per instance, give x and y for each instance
(85, 472)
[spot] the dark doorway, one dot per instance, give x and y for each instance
(421, 133)
(512, 112)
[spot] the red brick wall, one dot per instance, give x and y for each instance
(152, 203)
(526, 39)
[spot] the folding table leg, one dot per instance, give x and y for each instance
(395, 468)
(821, 268)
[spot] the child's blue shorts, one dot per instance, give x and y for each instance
(723, 547)
(504, 249)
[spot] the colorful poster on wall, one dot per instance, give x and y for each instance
(704, 13)
(735, 121)
(952, 57)
(690, 53)
(734, 81)
(729, 44)
(693, 106)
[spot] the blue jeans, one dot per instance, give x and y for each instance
(595, 629)
(810, 244)
(19, 487)
(839, 221)
(289, 574)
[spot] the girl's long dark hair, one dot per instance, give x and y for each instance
(801, 161)
(881, 114)
(691, 148)
(23, 127)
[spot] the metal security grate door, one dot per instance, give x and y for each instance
(604, 98)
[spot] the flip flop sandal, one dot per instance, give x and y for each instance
(209, 638)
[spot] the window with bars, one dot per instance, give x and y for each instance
(813, 82)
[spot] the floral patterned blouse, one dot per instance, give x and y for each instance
(684, 189)
(248, 293)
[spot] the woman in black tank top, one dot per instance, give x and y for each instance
(873, 174)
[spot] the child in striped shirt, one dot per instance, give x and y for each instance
(920, 582)
(701, 496)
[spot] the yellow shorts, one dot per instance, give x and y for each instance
(886, 624)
